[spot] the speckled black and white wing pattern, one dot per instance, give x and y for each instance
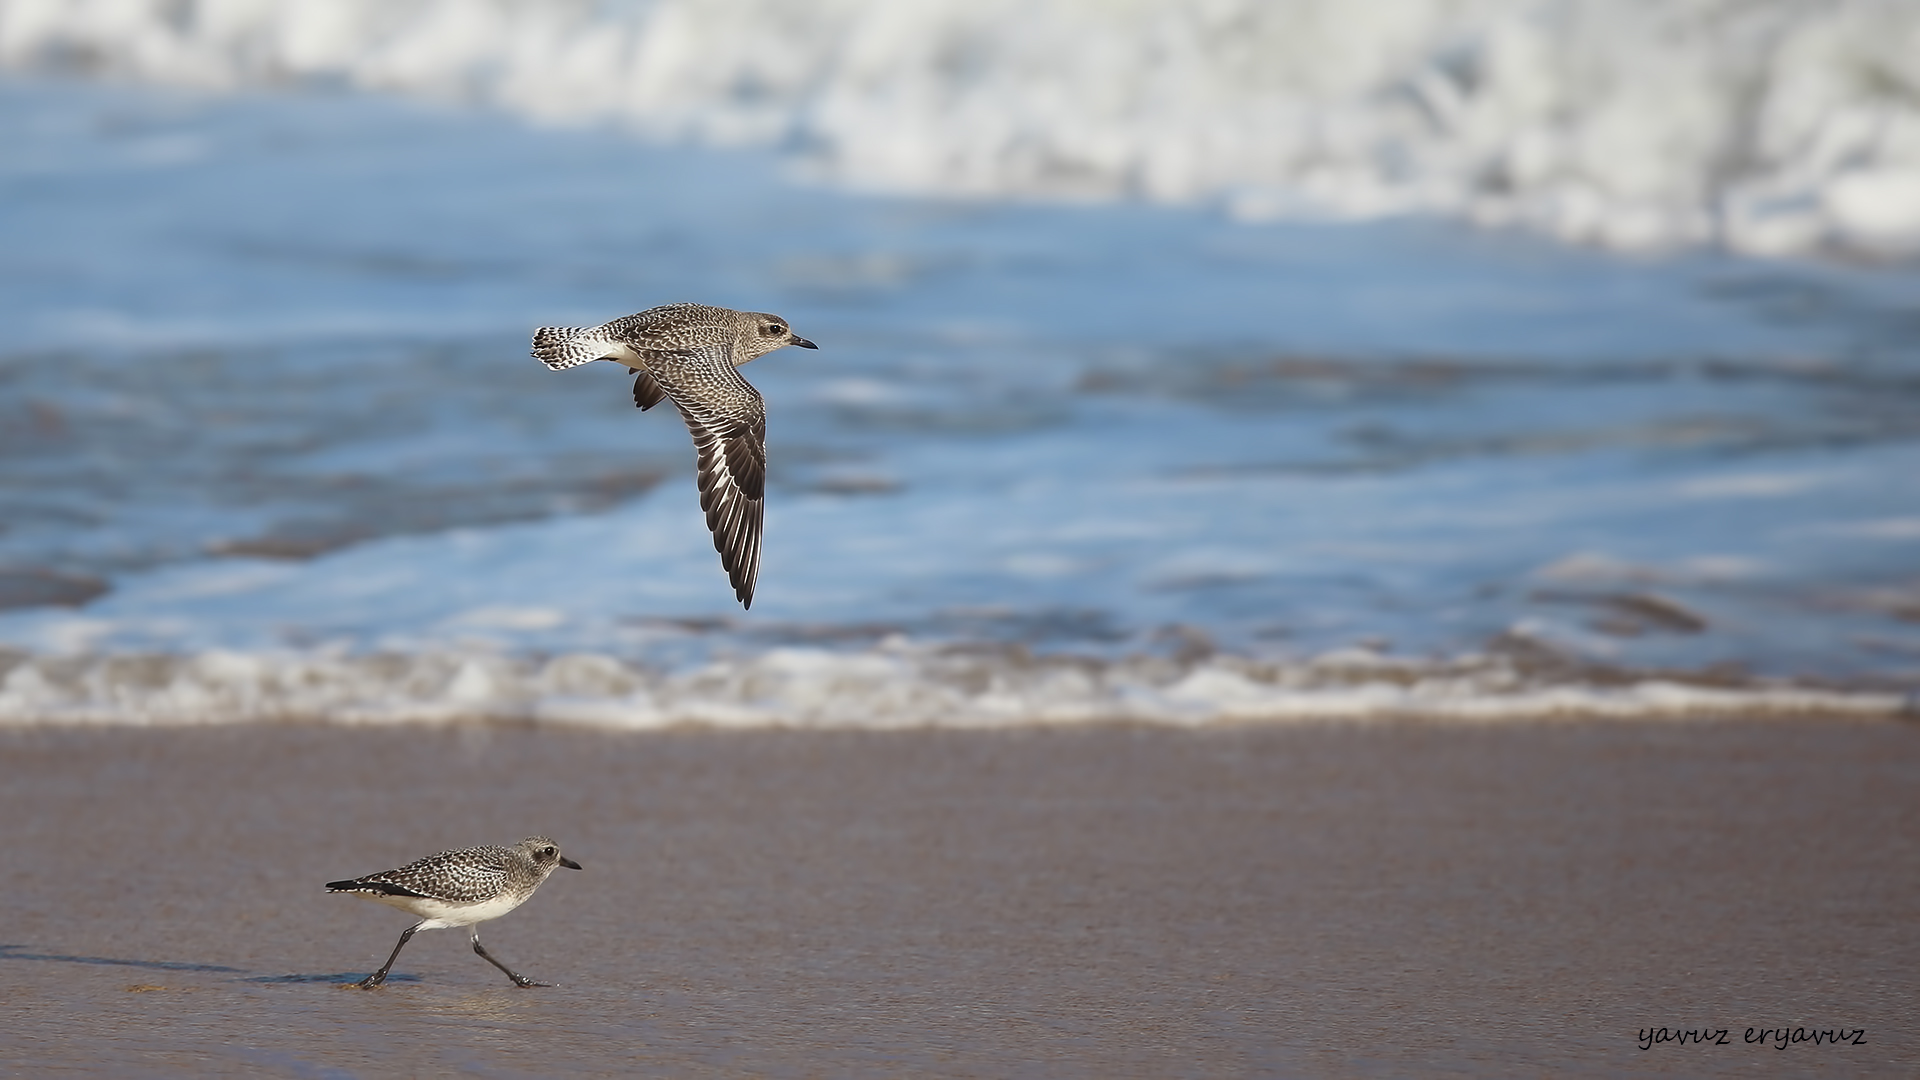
(629, 339)
(688, 352)
(466, 876)
(728, 421)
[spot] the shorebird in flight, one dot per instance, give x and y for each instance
(688, 353)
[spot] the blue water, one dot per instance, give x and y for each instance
(265, 391)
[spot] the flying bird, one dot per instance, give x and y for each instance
(688, 353)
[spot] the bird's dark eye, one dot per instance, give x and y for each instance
(773, 329)
(549, 851)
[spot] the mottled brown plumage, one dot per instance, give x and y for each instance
(464, 887)
(688, 353)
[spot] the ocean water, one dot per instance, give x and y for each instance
(271, 444)
(1768, 126)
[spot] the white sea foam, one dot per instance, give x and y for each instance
(896, 684)
(1771, 127)
(1178, 460)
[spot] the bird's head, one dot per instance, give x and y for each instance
(765, 333)
(545, 854)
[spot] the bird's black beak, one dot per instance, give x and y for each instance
(569, 863)
(803, 343)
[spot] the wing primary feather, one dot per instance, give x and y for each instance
(647, 391)
(726, 419)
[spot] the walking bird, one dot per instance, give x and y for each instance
(460, 888)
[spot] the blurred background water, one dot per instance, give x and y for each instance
(1179, 361)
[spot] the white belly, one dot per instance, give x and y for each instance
(439, 914)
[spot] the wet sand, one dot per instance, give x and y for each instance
(1315, 901)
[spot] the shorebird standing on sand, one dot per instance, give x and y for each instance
(460, 888)
(688, 352)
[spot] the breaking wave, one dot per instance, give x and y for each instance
(895, 684)
(1770, 127)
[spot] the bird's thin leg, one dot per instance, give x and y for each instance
(519, 980)
(380, 976)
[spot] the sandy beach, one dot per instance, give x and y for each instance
(1106, 901)
(1278, 495)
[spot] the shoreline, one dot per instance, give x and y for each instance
(1120, 900)
(889, 687)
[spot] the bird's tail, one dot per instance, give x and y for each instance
(561, 347)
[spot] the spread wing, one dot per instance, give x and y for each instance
(728, 421)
